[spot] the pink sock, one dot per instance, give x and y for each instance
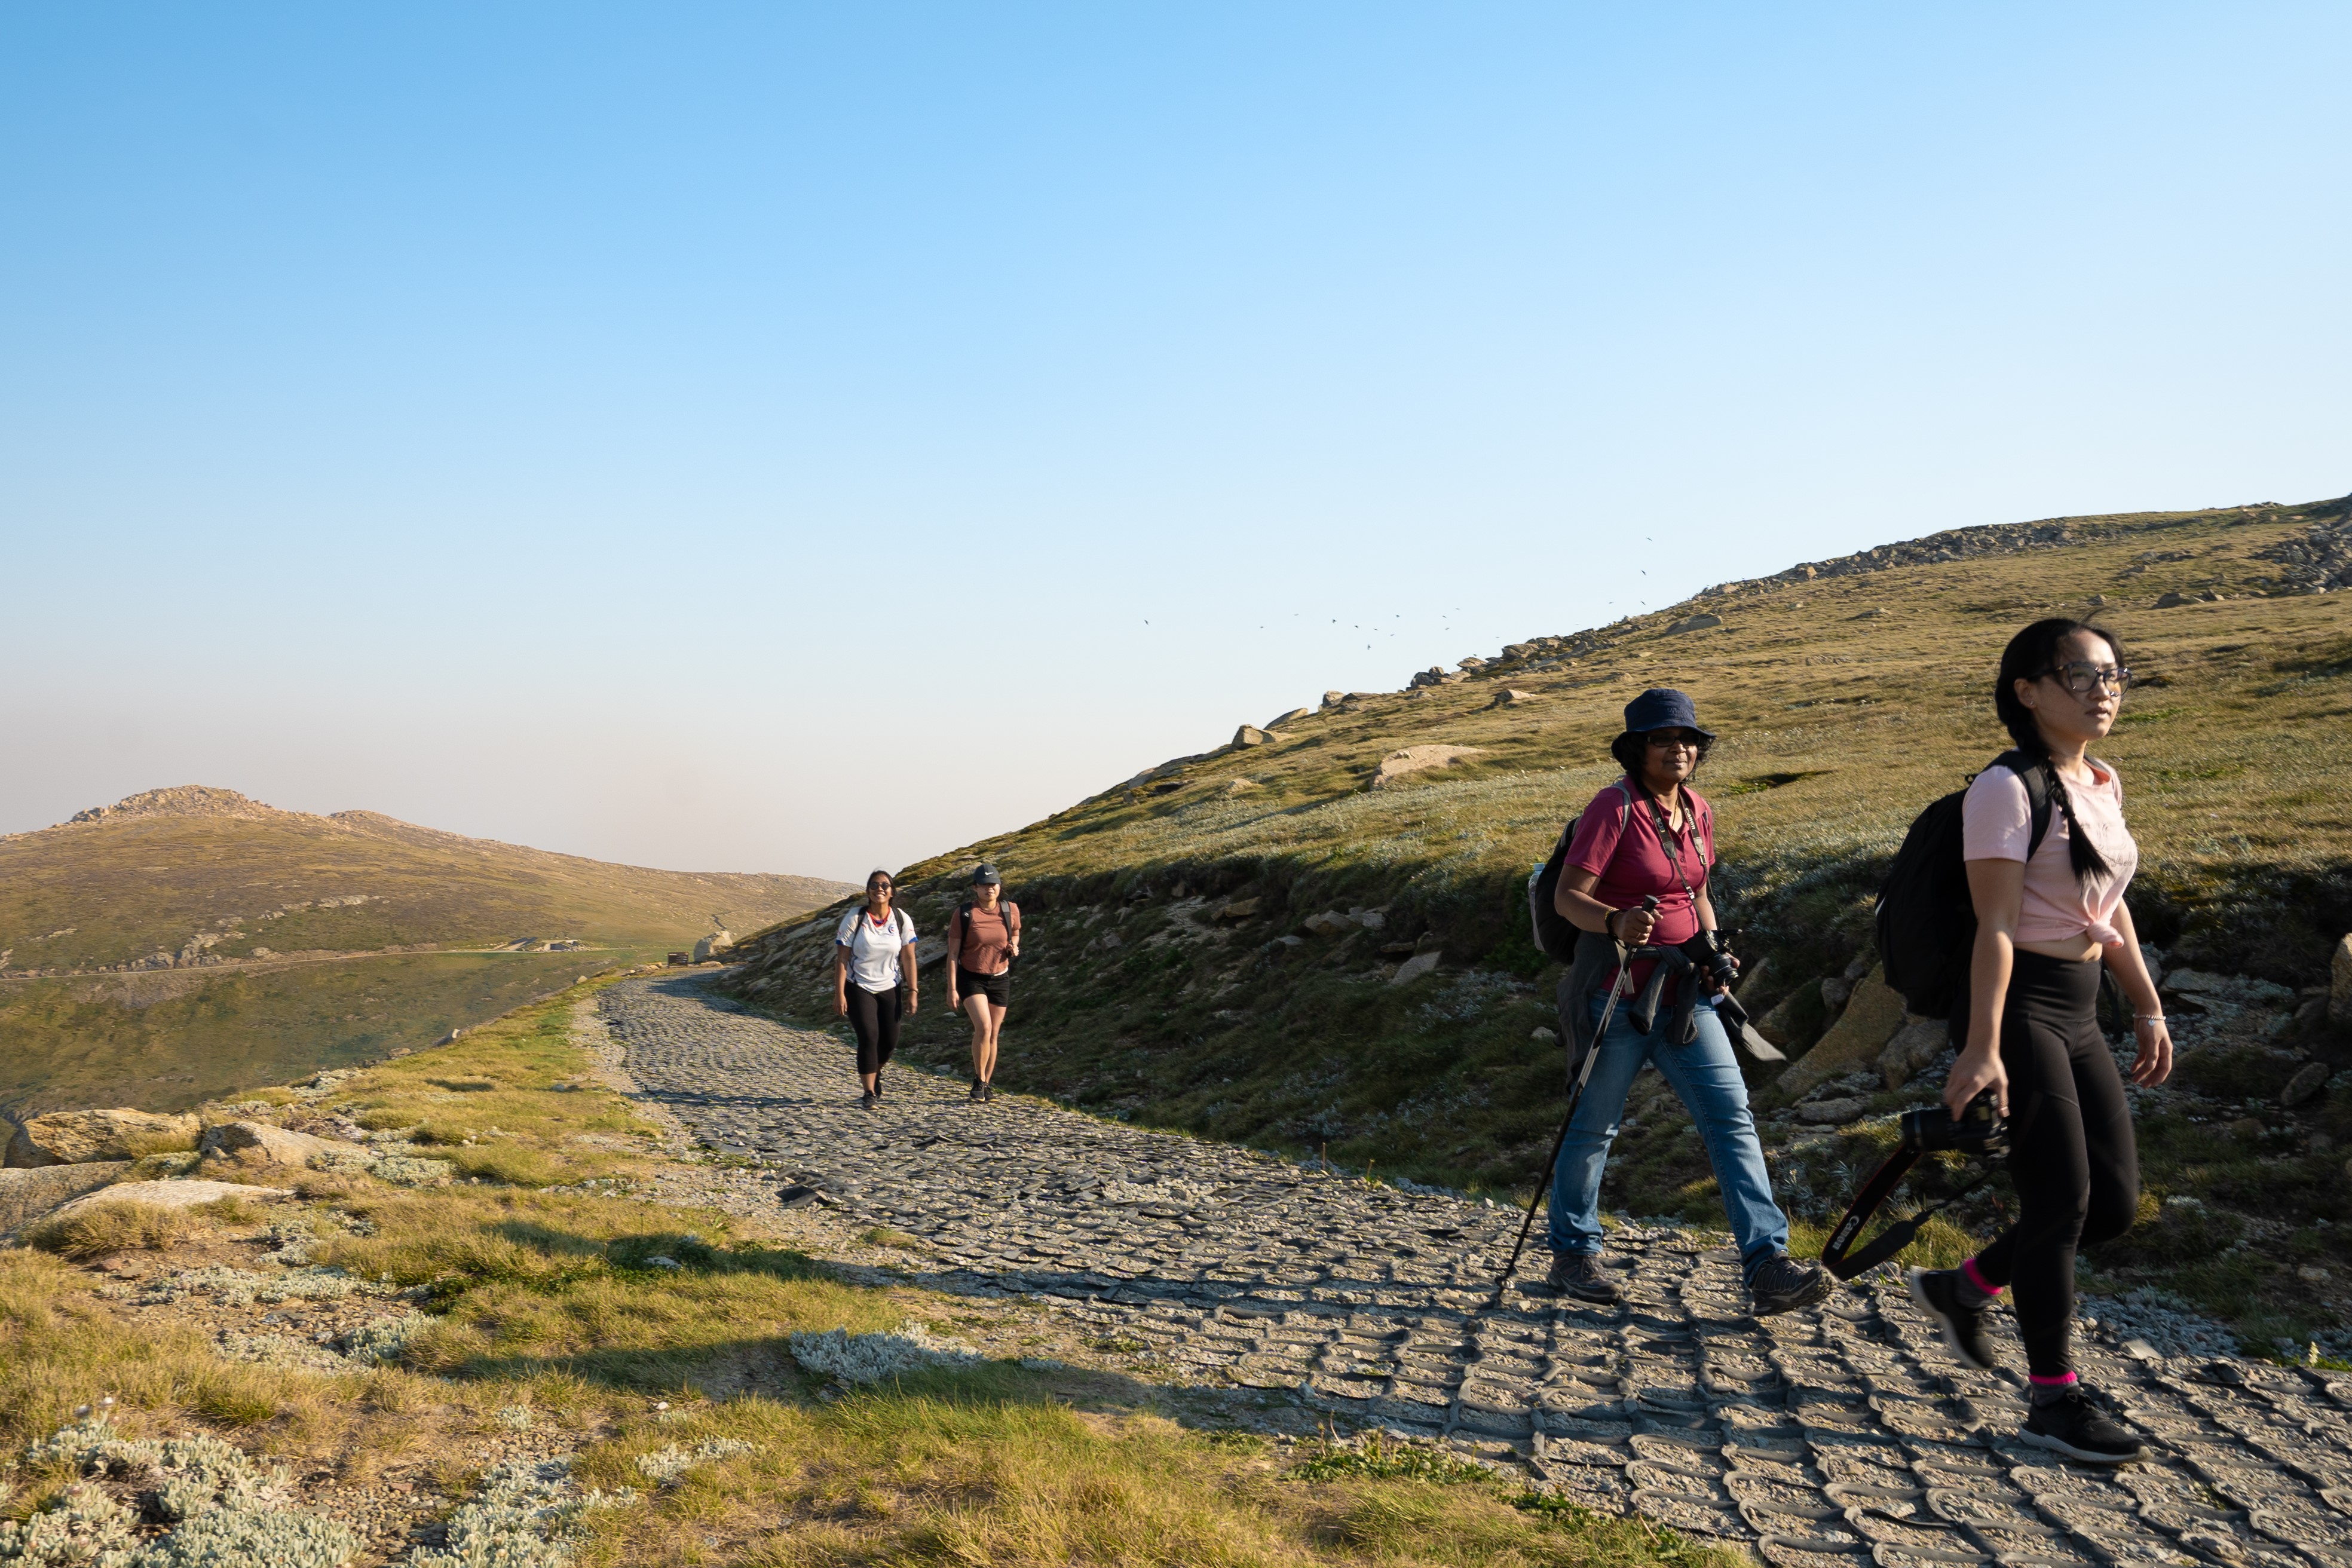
(2061, 1381)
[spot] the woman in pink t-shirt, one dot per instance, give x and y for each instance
(2048, 918)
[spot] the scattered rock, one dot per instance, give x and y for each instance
(705, 947)
(1242, 786)
(1278, 721)
(1835, 991)
(1250, 735)
(29, 1194)
(71, 1137)
(2340, 985)
(1915, 1045)
(1330, 922)
(1870, 1017)
(1698, 623)
(2246, 1129)
(180, 1195)
(2304, 1085)
(1333, 699)
(1512, 696)
(250, 1143)
(1800, 1011)
(1544, 1036)
(1413, 968)
(1751, 984)
(1419, 759)
(2168, 600)
(1830, 1113)
(1239, 910)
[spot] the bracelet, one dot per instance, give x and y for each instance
(2148, 1017)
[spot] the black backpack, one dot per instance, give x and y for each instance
(1927, 922)
(1553, 932)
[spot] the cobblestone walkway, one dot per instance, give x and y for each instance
(1818, 1438)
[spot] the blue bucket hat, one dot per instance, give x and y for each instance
(1663, 708)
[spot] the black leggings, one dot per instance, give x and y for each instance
(874, 1015)
(2072, 1154)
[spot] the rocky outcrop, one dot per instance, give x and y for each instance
(250, 1144)
(1872, 1016)
(73, 1137)
(1418, 759)
(1915, 1046)
(708, 946)
(180, 800)
(180, 1195)
(2321, 559)
(1250, 735)
(27, 1194)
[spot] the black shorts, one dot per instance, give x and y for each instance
(997, 988)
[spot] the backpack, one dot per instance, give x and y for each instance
(1554, 932)
(1927, 922)
(1005, 910)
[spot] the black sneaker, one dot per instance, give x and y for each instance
(1937, 1292)
(987, 1091)
(979, 1092)
(865, 1100)
(1782, 1284)
(2070, 1425)
(1579, 1274)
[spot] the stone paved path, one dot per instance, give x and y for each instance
(1819, 1439)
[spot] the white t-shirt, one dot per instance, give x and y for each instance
(874, 949)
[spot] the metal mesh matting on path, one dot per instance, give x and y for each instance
(1819, 1437)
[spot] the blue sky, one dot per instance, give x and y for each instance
(793, 439)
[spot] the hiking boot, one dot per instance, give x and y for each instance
(865, 1100)
(1579, 1274)
(2070, 1425)
(1937, 1290)
(1782, 1284)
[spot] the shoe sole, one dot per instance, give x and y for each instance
(1943, 1322)
(2087, 1455)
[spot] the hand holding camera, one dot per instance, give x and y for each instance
(1977, 1072)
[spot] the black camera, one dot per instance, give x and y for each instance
(1710, 952)
(1979, 1130)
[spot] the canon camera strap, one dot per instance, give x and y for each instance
(1869, 1201)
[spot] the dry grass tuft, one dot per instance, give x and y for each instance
(102, 1228)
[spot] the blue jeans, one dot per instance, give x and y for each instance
(1706, 1076)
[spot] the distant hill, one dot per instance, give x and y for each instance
(1213, 941)
(188, 939)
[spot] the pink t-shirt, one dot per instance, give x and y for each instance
(1621, 848)
(1996, 824)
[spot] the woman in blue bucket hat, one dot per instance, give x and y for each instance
(1635, 874)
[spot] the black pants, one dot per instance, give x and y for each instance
(2072, 1154)
(874, 1015)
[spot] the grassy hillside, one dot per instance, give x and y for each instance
(188, 940)
(1176, 973)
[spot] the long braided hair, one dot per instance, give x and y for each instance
(2031, 654)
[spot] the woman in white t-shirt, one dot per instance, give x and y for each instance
(873, 949)
(2049, 917)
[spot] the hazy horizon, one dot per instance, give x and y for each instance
(795, 441)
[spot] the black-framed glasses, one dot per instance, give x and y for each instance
(2079, 679)
(1673, 740)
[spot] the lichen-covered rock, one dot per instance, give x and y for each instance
(1408, 760)
(255, 1143)
(73, 1137)
(27, 1194)
(1919, 1042)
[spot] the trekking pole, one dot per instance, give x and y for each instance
(1575, 1098)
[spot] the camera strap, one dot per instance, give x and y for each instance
(1869, 1201)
